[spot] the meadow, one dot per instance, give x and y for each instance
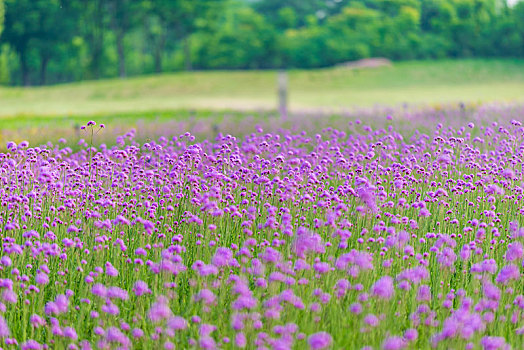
(333, 89)
(384, 231)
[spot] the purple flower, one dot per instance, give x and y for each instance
(383, 288)
(70, 332)
(160, 310)
(240, 340)
(110, 308)
(493, 343)
(141, 288)
(137, 333)
(42, 278)
(355, 308)
(515, 251)
(9, 296)
(414, 275)
(321, 267)
(447, 258)
(367, 195)
(271, 255)
(31, 345)
(6, 261)
(223, 257)
(4, 330)
(110, 270)
(410, 334)
(114, 335)
(207, 342)
(321, 340)
(507, 273)
(424, 293)
(99, 289)
(371, 320)
(117, 293)
(491, 291)
(207, 296)
(394, 343)
(177, 323)
(307, 242)
(36, 321)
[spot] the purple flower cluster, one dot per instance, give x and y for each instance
(357, 238)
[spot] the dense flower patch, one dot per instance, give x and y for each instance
(355, 238)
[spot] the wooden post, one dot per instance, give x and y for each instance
(282, 94)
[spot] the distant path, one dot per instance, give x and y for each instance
(337, 88)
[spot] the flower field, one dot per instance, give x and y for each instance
(354, 237)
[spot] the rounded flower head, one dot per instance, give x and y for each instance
(507, 273)
(42, 278)
(31, 345)
(4, 330)
(383, 288)
(493, 343)
(321, 340)
(141, 288)
(394, 343)
(160, 310)
(515, 251)
(307, 242)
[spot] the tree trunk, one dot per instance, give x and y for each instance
(44, 60)
(97, 41)
(158, 60)
(187, 53)
(159, 51)
(24, 68)
(121, 53)
(96, 59)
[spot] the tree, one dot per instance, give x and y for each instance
(245, 40)
(1, 16)
(55, 29)
(180, 19)
(353, 34)
(174, 18)
(50, 41)
(94, 25)
(156, 31)
(4, 73)
(125, 15)
(19, 30)
(518, 14)
(275, 10)
(163, 14)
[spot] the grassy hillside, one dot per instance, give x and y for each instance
(334, 88)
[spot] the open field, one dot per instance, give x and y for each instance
(331, 89)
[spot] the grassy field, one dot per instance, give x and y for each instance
(333, 88)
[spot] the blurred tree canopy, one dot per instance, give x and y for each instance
(1, 15)
(53, 41)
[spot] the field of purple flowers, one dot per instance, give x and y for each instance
(355, 237)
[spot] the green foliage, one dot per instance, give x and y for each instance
(57, 40)
(245, 40)
(4, 73)
(6, 56)
(1, 16)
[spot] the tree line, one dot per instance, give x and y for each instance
(53, 41)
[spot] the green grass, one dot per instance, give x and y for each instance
(418, 82)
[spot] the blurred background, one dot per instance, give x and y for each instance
(164, 59)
